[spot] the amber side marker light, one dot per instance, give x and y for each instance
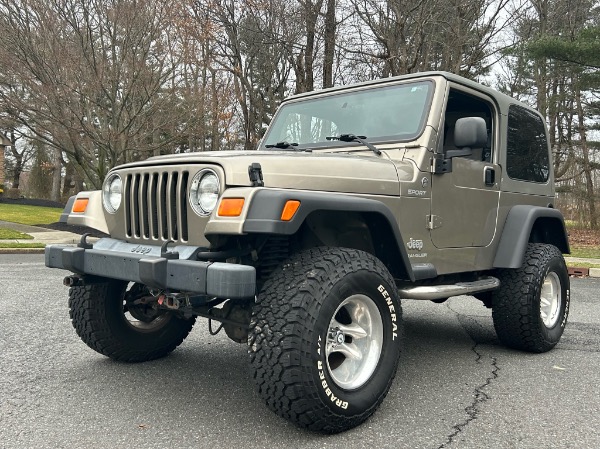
(80, 204)
(289, 210)
(231, 207)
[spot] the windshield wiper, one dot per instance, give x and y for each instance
(284, 145)
(354, 138)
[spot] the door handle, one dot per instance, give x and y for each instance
(489, 176)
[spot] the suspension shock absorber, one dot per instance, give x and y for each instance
(275, 251)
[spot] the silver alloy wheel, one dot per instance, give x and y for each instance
(354, 342)
(550, 300)
(147, 326)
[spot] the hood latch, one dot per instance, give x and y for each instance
(255, 174)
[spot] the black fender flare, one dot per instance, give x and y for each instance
(264, 215)
(67, 209)
(520, 222)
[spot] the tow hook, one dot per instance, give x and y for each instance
(170, 302)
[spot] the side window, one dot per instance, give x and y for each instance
(526, 146)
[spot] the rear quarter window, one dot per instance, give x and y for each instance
(527, 156)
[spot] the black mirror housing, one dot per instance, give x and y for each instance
(470, 132)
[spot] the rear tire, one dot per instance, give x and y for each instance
(100, 318)
(531, 307)
(324, 338)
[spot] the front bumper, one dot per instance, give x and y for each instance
(149, 265)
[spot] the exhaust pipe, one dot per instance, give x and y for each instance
(72, 281)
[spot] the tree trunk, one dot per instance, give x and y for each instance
(587, 169)
(18, 169)
(56, 175)
(329, 50)
(214, 127)
(311, 15)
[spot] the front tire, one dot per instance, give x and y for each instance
(108, 325)
(324, 338)
(531, 307)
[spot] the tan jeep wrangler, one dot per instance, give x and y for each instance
(424, 186)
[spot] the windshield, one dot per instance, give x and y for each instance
(386, 113)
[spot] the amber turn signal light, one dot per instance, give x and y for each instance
(231, 207)
(80, 204)
(289, 210)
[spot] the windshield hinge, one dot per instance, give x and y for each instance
(255, 174)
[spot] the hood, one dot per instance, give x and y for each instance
(332, 172)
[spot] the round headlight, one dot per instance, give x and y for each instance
(204, 192)
(112, 193)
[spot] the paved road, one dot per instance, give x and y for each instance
(455, 388)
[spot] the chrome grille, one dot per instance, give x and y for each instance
(156, 205)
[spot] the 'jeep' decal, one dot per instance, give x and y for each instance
(415, 244)
(141, 249)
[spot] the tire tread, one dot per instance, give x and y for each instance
(87, 310)
(281, 329)
(515, 310)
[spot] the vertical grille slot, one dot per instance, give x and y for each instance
(135, 205)
(144, 212)
(182, 204)
(162, 206)
(153, 205)
(172, 205)
(127, 204)
(156, 205)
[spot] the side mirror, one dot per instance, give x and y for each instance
(470, 132)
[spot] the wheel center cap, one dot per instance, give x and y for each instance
(339, 337)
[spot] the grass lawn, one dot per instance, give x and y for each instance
(22, 245)
(6, 234)
(29, 215)
(587, 252)
(582, 265)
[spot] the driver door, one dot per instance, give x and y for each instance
(464, 200)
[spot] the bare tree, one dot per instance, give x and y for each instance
(94, 83)
(416, 35)
(250, 46)
(91, 78)
(19, 153)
